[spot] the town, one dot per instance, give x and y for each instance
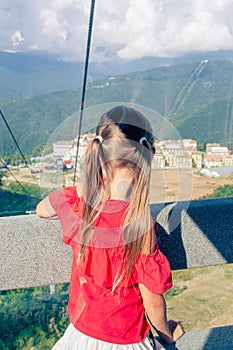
(169, 154)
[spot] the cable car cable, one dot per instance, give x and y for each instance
(5, 165)
(84, 83)
(12, 135)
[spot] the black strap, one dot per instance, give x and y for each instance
(152, 340)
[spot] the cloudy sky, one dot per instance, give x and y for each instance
(127, 28)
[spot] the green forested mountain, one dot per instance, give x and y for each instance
(195, 97)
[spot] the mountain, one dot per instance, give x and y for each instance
(194, 98)
(25, 74)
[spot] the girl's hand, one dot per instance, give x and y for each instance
(176, 328)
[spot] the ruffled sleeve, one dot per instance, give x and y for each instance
(67, 205)
(153, 271)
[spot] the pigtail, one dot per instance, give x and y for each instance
(92, 183)
(139, 233)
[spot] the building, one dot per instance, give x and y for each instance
(209, 146)
(158, 161)
(196, 159)
(217, 156)
(215, 148)
(177, 153)
(183, 161)
(213, 160)
(190, 145)
(227, 160)
(61, 148)
(67, 150)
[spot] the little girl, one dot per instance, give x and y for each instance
(118, 275)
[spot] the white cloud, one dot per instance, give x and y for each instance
(51, 25)
(17, 38)
(172, 28)
(129, 28)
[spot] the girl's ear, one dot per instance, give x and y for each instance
(153, 150)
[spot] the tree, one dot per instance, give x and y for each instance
(2, 175)
(220, 192)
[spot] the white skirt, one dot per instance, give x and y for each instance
(75, 340)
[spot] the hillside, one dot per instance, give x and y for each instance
(26, 74)
(195, 97)
(16, 203)
(211, 122)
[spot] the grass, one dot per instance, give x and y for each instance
(201, 297)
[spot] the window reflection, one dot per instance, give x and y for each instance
(188, 99)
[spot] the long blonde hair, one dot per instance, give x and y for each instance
(127, 143)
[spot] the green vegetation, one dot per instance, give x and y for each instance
(34, 119)
(41, 150)
(195, 98)
(16, 200)
(201, 303)
(208, 122)
(220, 192)
(3, 175)
(32, 318)
(35, 319)
(28, 189)
(175, 291)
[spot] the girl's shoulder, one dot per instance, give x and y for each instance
(65, 198)
(71, 193)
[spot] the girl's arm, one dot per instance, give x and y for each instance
(45, 210)
(155, 307)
